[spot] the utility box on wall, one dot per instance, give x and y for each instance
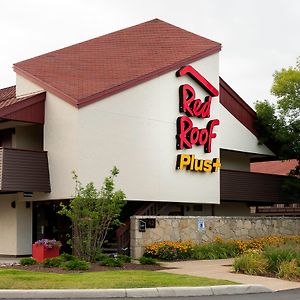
(146, 223)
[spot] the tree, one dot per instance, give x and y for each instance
(286, 87)
(93, 212)
(279, 124)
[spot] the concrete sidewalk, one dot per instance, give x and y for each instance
(222, 269)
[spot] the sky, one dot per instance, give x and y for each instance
(257, 36)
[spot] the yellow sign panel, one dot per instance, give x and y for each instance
(189, 162)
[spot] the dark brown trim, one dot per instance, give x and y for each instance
(254, 188)
(20, 149)
(237, 106)
(262, 156)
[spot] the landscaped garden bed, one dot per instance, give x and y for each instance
(67, 263)
(273, 256)
(94, 267)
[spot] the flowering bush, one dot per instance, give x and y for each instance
(168, 250)
(262, 242)
(48, 244)
(218, 248)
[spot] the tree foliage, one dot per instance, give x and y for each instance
(279, 124)
(93, 212)
(286, 88)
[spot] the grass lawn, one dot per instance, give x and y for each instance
(19, 279)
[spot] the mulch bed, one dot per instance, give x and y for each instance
(94, 268)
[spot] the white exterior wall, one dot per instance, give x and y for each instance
(15, 226)
(235, 136)
(25, 87)
(135, 130)
(24, 228)
(61, 142)
(8, 226)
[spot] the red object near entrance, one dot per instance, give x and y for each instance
(40, 252)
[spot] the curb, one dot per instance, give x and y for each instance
(136, 293)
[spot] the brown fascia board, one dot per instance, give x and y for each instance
(236, 97)
(116, 89)
(26, 102)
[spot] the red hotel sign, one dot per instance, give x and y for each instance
(189, 135)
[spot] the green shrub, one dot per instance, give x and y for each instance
(146, 260)
(276, 255)
(251, 263)
(52, 262)
(203, 252)
(68, 257)
(215, 250)
(27, 261)
(111, 262)
(101, 256)
(76, 265)
(289, 270)
(124, 258)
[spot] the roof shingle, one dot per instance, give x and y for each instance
(91, 70)
(28, 108)
(7, 93)
(278, 167)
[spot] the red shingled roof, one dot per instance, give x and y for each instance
(29, 108)
(7, 93)
(274, 167)
(89, 71)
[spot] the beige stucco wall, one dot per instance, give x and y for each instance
(232, 160)
(24, 228)
(8, 226)
(186, 228)
(135, 130)
(61, 142)
(15, 226)
(25, 86)
(235, 136)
